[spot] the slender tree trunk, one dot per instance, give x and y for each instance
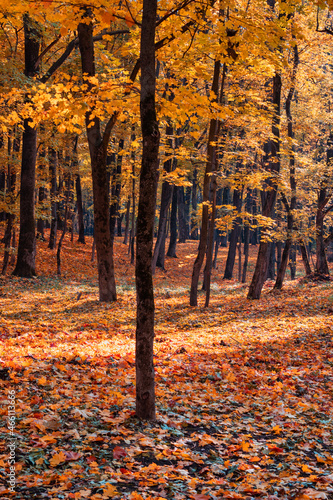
(145, 379)
(210, 164)
(166, 196)
(127, 220)
(79, 205)
(98, 152)
(305, 258)
(64, 229)
(181, 214)
(210, 244)
(26, 253)
(53, 159)
(194, 225)
(173, 225)
(261, 268)
(292, 180)
(234, 236)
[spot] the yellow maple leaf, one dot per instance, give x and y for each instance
(57, 459)
(306, 469)
(109, 490)
(245, 446)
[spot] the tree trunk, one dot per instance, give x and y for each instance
(305, 258)
(234, 236)
(64, 228)
(210, 165)
(173, 225)
(53, 159)
(26, 253)
(145, 379)
(127, 220)
(261, 268)
(166, 197)
(181, 215)
(79, 206)
(98, 152)
(194, 225)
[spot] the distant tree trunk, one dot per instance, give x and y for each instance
(166, 196)
(225, 201)
(194, 225)
(234, 236)
(188, 192)
(247, 233)
(272, 261)
(127, 219)
(133, 229)
(116, 190)
(13, 150)
(292, 181)
(26, 253)
(210, 166)
(79, 206)
(173, 225)
(181, 215)
(305, 258)
(273, 159)
(145, 379)
(64, 229)
(210, 242)
(98, 151)
(53, 159)
(292, 262)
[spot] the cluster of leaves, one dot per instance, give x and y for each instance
(244, 393)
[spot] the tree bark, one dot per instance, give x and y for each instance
(173, 225)
(53, 160)
(210, 163)
(260, 272)
(234, 236)
(145, 378)
(26, 253)
(79, 205)
(166, 197)
(98, 152)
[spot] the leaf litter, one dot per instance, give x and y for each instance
(243, 389)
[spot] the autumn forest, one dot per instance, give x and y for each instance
(166, 249)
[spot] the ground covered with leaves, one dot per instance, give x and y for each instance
(244, 389)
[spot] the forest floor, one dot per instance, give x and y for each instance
(244, 388)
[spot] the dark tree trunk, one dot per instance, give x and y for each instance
(260, 272)
(173, 225)
(166, 196)
(64, 228)
(292, 262)
(188, 192)
(292, 181)
(145, 379)
(247, 235)
(26, 253)
(225, 201)
(79, 206)
(210, 243)
(53, 159)
(115, 191)
(127, 220)
(210, 165)
(272, 261)
(133, 229)
(194, 225)
(305, 258)
(234, 236)
(181, 215)
(98, 152)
